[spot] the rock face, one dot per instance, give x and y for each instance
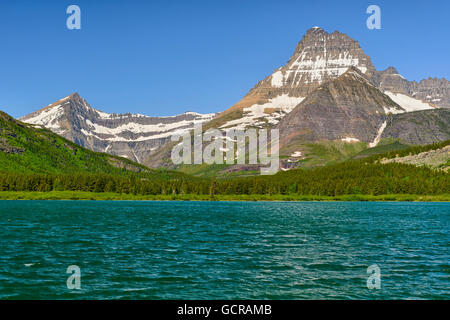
(419, 127)
(433, 91)
(348, 108)
(391, 80)
(133, 136)
(434, 158)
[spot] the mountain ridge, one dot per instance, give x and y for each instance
(129, 135)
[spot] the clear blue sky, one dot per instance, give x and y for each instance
(166, 57)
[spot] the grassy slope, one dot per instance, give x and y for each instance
(80, 195)
(383, 147)
(326, 152)
(318, 154)
(330, 152)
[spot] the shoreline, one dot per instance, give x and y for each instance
(84, 195)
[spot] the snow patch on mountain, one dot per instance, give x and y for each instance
(314, 69)
(408, 103)
(49, 118)
(138, 128)
(270, 112)
(118, 138)
(277, 79)
(378, 137)
(350, 140)
(297, 154)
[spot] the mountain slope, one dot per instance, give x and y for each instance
(428, 92)
(27, 149)
(132, 136)
(348, 108)
(419, 127)
(351, 110)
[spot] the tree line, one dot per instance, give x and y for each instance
(353, 177)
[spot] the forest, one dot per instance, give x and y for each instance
(352, 177)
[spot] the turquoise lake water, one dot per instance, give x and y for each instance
(224, 250)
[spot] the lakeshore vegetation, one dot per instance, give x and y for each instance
(349, 178)
(82, 195)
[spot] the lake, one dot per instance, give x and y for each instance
(224, 250)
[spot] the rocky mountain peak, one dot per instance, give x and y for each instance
(390, 70)
(74, 95)
(71, 97)
(315, 31)
(318, 57)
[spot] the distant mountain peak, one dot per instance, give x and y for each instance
(72, 95)
(391, 70)
(315, 30)
(128, 135)
(318, 57)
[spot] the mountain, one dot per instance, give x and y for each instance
(326, 102)
(133, 136)
(26, 148)
(318, 57)
(35, 159)
(419, 127)
(431, 91)
(338, 105)
(333, 113)
(348, 108)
